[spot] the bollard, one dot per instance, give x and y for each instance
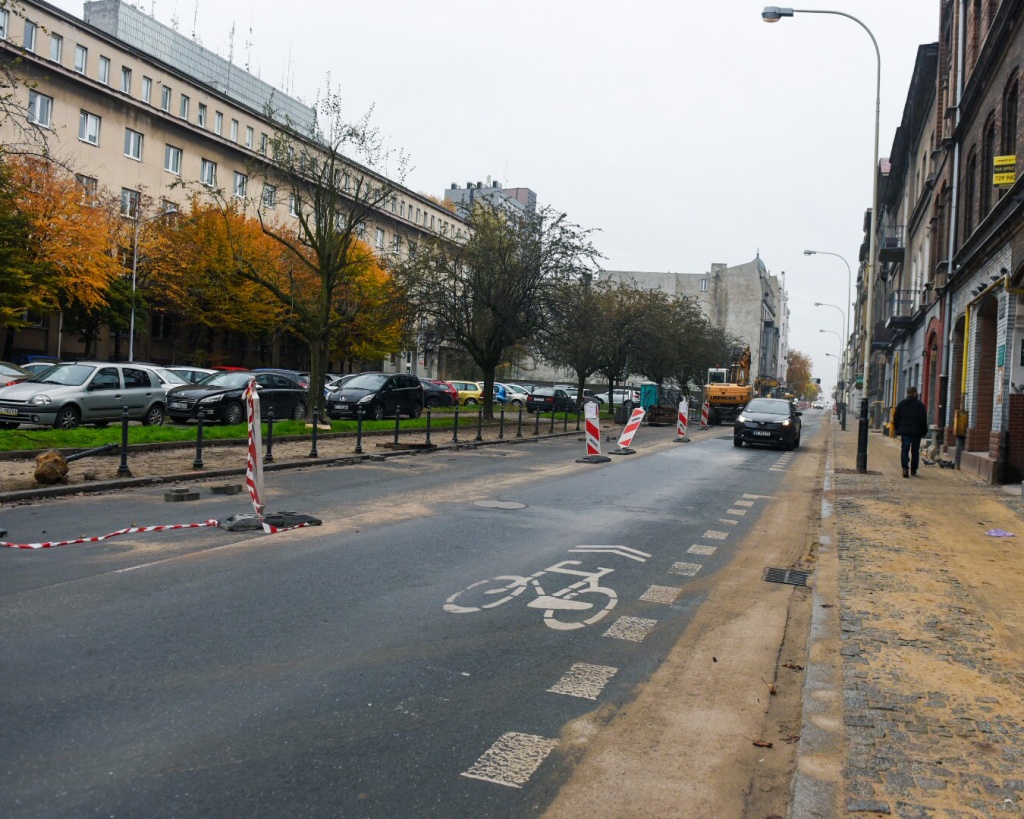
(455, 433)
(359, 430)
(197, 463)
(579, 412)
(536, 422)
(398, 415)
(269, 459)
(480, 424)
(122, 469)
(551, 429)
(501, 423)
(519, 424)
(565, 420)
(316, 422)
(428, 426)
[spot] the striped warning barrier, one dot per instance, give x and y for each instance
(131, 530)
(628, 432)
(591, 412)
(704, 410)
(684, 419)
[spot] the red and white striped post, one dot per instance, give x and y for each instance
(627, 434)
(592, 418)
(704, 410)
(684, 419)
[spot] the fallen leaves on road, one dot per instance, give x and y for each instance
(763, 743)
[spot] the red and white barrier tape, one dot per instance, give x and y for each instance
(131, 530)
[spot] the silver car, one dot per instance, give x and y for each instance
(84, 392)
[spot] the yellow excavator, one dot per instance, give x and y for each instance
(728, 389)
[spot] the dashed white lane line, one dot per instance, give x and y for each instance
(631, 628)
(685, 569)
(661, 594)
(738, 512)
(701, 549)
(727, 521)
(743, 503)
(711, 534)
(512, 759)
(584, 680)
(759, 497)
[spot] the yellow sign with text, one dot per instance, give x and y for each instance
(1004, 171)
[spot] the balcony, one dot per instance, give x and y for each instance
(900, 308)
(892, 247)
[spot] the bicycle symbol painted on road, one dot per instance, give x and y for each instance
(564, 609)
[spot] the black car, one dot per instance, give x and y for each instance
(436, 395)
(548, 399)
(772, 421)
(378, 395)
(219, 398)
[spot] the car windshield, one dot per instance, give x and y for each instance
(227, 381)
(70, 375)
(169, 377)
(769, 406)
(371, 381)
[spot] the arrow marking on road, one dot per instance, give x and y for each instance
(621, 551)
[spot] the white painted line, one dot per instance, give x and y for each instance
(711, 534)
(687, 569)
(661, 594)
(622, 551)
(701, 549)
(743, 503)
(759, 497)
(728, 521)
(512, 759)
(584, 680)
(631, 628)
(737, 512)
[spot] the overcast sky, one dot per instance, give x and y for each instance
(686, 132)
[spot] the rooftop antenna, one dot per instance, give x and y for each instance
(231, 45)
(174, 19)
(195, 20)
(248, 49)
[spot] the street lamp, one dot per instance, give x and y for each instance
(839, 365)
(840, 402)
(846, 332)
(135, 272)
(772, 14)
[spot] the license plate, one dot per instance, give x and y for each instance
(344, 407)
(8, 411)
(758, 432)
(177, 405)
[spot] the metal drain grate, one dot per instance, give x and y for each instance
(794, 577)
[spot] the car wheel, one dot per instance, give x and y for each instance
(299, 413)
(378, 412)
(516, 403)
(69, 417)
(471, 402)
(433, 402)
(737, 442)
(417, 410)
(154, 417)
(232, 414)
(796, 443)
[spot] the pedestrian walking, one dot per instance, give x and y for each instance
(910, 420)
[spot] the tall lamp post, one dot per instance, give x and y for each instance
(135, 272)
(839, 365)
(841, 402)
(772, 14)
(847, 359)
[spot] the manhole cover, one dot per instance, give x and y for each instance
(491, 504)
(794, 577)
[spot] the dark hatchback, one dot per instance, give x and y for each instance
(219, 398)
(378, 395)
(768, 421)
(548, 399)
(438, 394)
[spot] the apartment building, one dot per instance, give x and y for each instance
(135, 107)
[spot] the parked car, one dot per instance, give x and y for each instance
(193, 375)
(470, 392)
(219, 398)
(168, 378)
(84, 392)
(500, 394)
(517, 395)
(550, 399)
(771, 421)
(379, 395)
(438, 394)
(299, 376)
(12, 373)
(588, 395)
(448, 385)
(39, 363)
(621, 396)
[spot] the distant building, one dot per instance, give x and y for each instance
(522, 199)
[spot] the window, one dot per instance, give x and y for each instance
(249, 134)
(106, 378)
(703, 285)
(132, 144)
(89, 128)
(30, 36)
(293, 205)
(147, 89)
(201, 118)
(165, 98)
(269, 196)
(126, 80)
(183, 107)
(401, 209)
(168, 206)
(396, 243)
(136, 379)
(234, 130)
(970, 188)
(380, 238)
(988, 156)
(163, 328)
(129, 203)
(3, 23)
(56, 47)
(40, 108)
(1010, 105)
(90, 186)
(208, 173)
(218, 123)
(104, 74)
(263, 144)
(81, 59)
(172, 159)
(241, 182)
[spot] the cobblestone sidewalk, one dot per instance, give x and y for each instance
(931, 638)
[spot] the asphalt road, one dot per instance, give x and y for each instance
(318, 672)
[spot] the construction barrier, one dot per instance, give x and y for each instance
(704, 410)
(627, 434)
(591, 412)
(128, 531)
(684, 419)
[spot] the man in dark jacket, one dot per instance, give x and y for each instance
(910, 420)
